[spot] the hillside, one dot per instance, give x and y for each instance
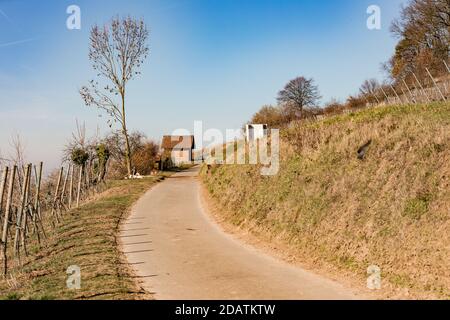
(335, 212)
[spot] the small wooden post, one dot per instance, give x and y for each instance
(445, 87)
(55, 198)
(72, 171)
(23, 230)
(410, 93)
(376, 98)
(20, 214)
(387, 99)
(423, 90)
(63, 192)
(37, 205)
(417, 92)
(446, 65)
(404, 94)
(80, 176)
(4, 240)
(38, 176)
(435, 84)
(400, 100)
(105, 170)
(2, 191)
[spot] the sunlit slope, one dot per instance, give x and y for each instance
(391, 209)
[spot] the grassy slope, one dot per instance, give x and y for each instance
(329, 208)
(87, 238)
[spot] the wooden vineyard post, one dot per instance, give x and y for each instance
(417, 93)
(404, 94)
(446, 66)
(400, 100)
(80, 176)
(4, 240)
(410, 93)
(38, 175)
(105, 171)
(387, 99)
(376, 98)
(37, 206)
(20, 213)
(72, 171)
(23, 230)
(421, 87)
(2, 191)
(63, 192)
(55, 198)
(435, 85)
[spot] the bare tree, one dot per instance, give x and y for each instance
(369, 90)
(80, 141)
(117, 51)
(299, 93)
(16, 155)
(2, 159)
(369, 87)
(18, 149)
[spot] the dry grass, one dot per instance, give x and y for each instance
(331, 209)
(86, 237)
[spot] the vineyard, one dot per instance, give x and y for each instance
(30, 205)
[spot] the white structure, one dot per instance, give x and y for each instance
(254, 132)
(178, 148)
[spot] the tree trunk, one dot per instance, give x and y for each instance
(127, 151)
(125, 134)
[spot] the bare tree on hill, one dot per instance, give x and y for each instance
(369, 87)
(299, 93)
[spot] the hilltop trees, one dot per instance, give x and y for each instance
(299, 93)
(417, 72)
(270, 115)
(297, 100)
(117, 51)
(423, 30)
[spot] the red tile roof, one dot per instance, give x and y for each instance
(178, 142)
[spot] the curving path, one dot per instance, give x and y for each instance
(179, 253)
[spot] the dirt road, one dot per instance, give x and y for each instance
(179, 253)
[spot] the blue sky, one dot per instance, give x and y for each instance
(217, 61)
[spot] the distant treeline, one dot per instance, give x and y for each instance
(418, 72)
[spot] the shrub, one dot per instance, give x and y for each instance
(79, 156)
